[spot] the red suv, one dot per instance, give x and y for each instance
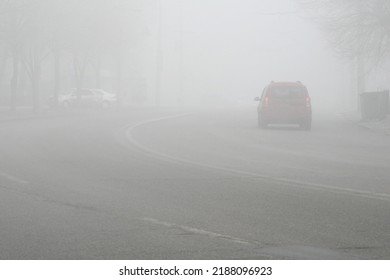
(284, 102)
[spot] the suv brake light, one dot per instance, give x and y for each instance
(308, 102)
(266, 101)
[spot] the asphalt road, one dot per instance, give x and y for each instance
(175, 184)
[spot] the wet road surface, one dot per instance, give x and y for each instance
(175, 184)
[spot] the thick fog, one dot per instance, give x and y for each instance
(174, 52)
(232, 49)
(139, 129)
(220, 52)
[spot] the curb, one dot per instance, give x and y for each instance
(382, 126)
(377, 126)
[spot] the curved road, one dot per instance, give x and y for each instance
(165, 184)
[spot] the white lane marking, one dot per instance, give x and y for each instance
(12, 178)
(197, 231)
(300, 184)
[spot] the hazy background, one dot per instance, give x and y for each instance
(156, 177)
(172, 52)
(231, 49)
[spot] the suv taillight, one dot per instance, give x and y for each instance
(308, 102)
(266, 101)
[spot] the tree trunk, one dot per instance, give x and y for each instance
(119, 70)
(14, 79)
(3, 64)
(361, 77)
(36, 80)
(79, 70)
(57, 76)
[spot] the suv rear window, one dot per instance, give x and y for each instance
(287, 92)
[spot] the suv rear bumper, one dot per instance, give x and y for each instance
(290, 118)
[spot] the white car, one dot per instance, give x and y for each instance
(86, 97)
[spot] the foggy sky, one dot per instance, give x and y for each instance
(232, 49)
(211, 52)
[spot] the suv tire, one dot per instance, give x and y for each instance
(306, 125)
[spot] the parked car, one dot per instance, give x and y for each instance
(285, 103)
(87, 98)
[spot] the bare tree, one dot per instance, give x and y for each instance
(36, 45)
(57, 20)
(12, 25)
(93, 32)
(353, 27)
(358, 30)
(24, 31)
